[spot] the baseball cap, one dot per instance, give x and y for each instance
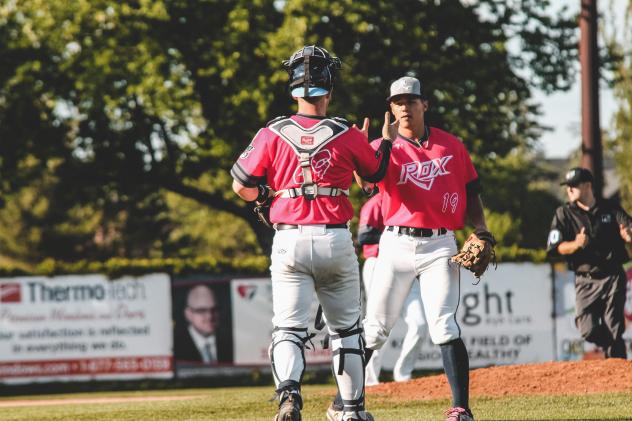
(406, 86)
(577, 175)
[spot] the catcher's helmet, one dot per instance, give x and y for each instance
(312, 71)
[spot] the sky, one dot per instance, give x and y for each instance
(562, 111)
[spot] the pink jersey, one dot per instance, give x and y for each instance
(270, 159)
(371, 224)
(425, 187)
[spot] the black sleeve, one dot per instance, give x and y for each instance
(385, 151)
(245, 179)
(368, 235)
(558, 232)
(474, 187)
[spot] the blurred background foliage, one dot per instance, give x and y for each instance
(119, 120)
(619, 140)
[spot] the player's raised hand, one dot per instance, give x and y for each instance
(581, 239)
(389, 130)
(626, 233)
(365, 127)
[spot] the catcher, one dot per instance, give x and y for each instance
(308, 160)
(430, 187)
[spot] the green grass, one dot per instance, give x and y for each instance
(252, 404)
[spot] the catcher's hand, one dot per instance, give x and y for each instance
(262, 204)
(477, 252)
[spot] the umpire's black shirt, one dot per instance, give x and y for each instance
(605, 251)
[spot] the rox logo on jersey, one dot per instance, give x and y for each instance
(423, 174)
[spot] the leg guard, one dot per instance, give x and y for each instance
(348, 364)
(287, 354)
(337, 404)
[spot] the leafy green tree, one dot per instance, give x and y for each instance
(131, 99)
(150, 95)
(621, 138)
(460, 56)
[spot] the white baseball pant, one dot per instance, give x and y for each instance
(311, 259)
(415, 321)
(403, 260)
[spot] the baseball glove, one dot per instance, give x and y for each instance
(477, 252)
(262, 205)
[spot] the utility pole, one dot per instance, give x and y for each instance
(592, 155)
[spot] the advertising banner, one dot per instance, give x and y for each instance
(252, 315)
(85, 327)
(504, 319)
(203, 326)
(570, 345)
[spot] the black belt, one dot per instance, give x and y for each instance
(416, 232)
(280, 227)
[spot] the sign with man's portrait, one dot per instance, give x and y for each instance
(203, 334)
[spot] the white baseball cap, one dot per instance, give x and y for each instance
(406, 86)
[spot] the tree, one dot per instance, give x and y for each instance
(150, 95)
(621, 138)
(134, 98)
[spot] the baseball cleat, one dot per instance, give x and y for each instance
(290, 408)
(333, 414)
(459, 414)
(336, 415)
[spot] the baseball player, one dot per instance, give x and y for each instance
(370, 229)
(305, 162)
(591, 234)
(430, 187)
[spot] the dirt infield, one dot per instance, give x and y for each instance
(554, 378)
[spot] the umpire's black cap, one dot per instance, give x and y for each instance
(577, 175)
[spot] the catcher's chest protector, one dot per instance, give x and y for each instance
(307, 142)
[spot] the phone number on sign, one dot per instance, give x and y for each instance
(86, 366)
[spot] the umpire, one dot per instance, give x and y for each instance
(591, 234)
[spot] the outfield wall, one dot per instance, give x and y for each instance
(86, 327)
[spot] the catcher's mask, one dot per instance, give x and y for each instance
(312, 71)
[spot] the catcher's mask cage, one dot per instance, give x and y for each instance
(313, 69)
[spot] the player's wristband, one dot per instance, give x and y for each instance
(264, 193)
